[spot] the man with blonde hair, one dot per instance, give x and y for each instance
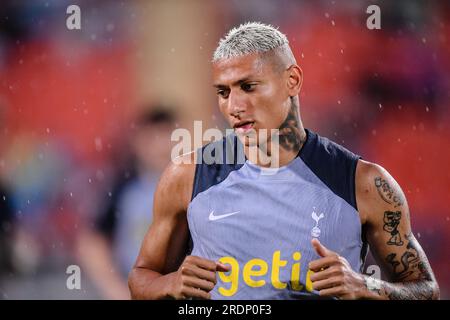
(301, 231)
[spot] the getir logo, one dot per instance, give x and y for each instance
(255, 269)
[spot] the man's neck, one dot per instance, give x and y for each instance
(292, 136)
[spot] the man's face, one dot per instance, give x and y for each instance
(252, 95)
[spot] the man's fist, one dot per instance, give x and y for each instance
(333, 275)
(195, 278)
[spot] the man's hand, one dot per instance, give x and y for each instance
(195, 278)
(333, 276)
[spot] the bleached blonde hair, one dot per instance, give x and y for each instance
(250, 37)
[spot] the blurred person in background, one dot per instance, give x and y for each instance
(108, 250)
(6, 228)
(6, 222)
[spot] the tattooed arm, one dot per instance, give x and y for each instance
(385, 214)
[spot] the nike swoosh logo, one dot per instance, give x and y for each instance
(212, 217)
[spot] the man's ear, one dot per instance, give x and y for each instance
(294, 80)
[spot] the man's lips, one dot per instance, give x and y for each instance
(244, 126)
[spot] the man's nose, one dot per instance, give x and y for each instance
(236, 104)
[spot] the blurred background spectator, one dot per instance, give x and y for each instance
(6, 221)
(70, 99)
(109, 250)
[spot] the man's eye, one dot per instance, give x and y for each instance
(247, 87)
(222, 93)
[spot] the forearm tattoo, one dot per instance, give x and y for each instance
(411, 264)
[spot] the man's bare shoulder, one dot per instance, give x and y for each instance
(176, 182)
(376, 188)
(181, 168)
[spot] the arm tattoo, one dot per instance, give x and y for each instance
(412, 291)
(292, 136)
(410, 263)
(391, 222)
(387, 193)
(411, 274)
